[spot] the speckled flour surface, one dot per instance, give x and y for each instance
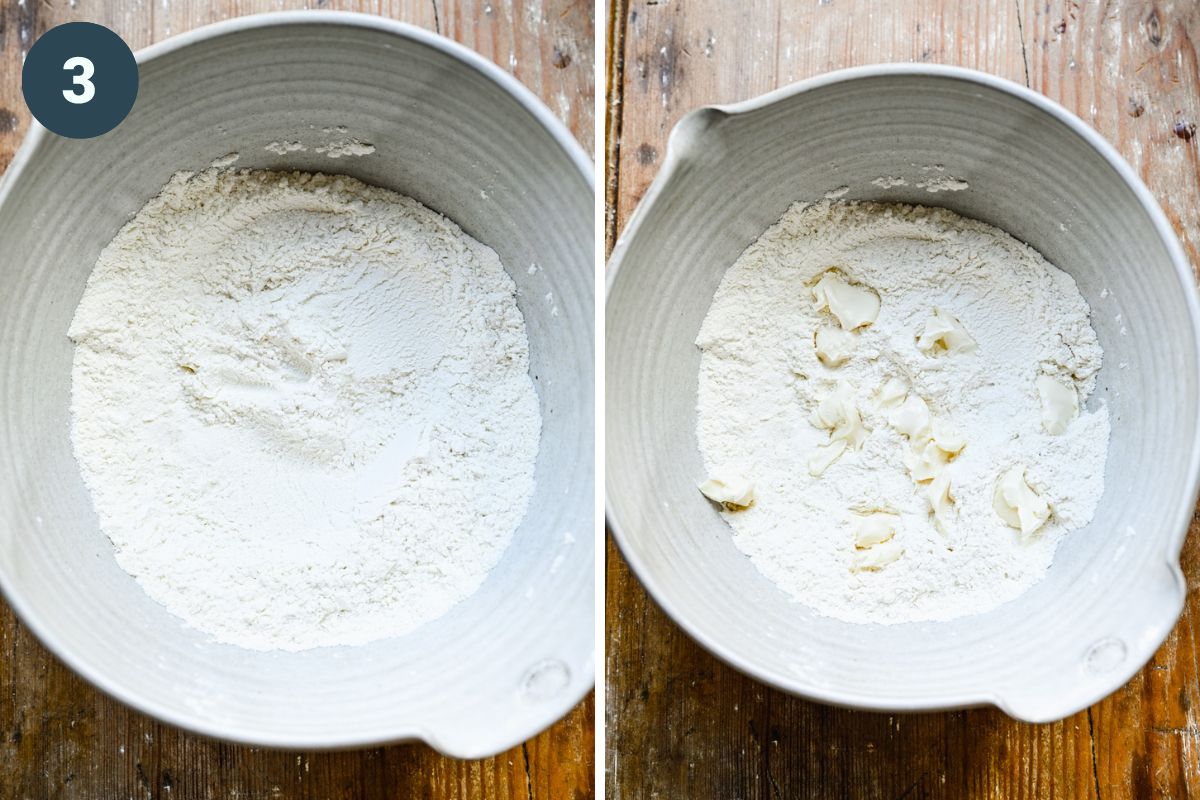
(302, 407)
(760, 381)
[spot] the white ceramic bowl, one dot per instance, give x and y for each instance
(1115, 588)
(447, 126)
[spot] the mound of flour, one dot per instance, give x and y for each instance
(760, 381)
(302, 407)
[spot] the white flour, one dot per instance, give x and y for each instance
(302, 407)
(760, 382)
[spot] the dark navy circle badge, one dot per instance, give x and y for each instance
(80, 80)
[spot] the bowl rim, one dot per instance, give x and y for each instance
(445, 742)
(1157, 630)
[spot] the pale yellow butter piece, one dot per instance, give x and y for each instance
(892, 393)
(941, 501)
(854, 305)
(912, 418)
(932, 444)
(944, 334)
(930, 456)
(877, 556)
(1018, 504)
(875, 528)
(875, 541)
(1060, 404)
(730, 489)
(837, 413)
(948, 439)
(834, 346)
(824, 456)
(926, 461)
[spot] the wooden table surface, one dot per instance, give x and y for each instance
(59, 737)
(682, 724)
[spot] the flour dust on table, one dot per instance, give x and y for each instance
(302, 407)
(892, 411)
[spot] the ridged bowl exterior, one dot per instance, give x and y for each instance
(1115, 588)
(464, 138)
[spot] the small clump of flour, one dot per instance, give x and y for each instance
(763, 389)
(346, 147)
(302, 407)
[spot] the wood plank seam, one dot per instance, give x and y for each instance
(1024, 48)
(1092, 742)
(615, 80)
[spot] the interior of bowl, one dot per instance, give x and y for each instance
(1114, 589)
(450, 132)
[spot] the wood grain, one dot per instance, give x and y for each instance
(59, 737)
(682, 724)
